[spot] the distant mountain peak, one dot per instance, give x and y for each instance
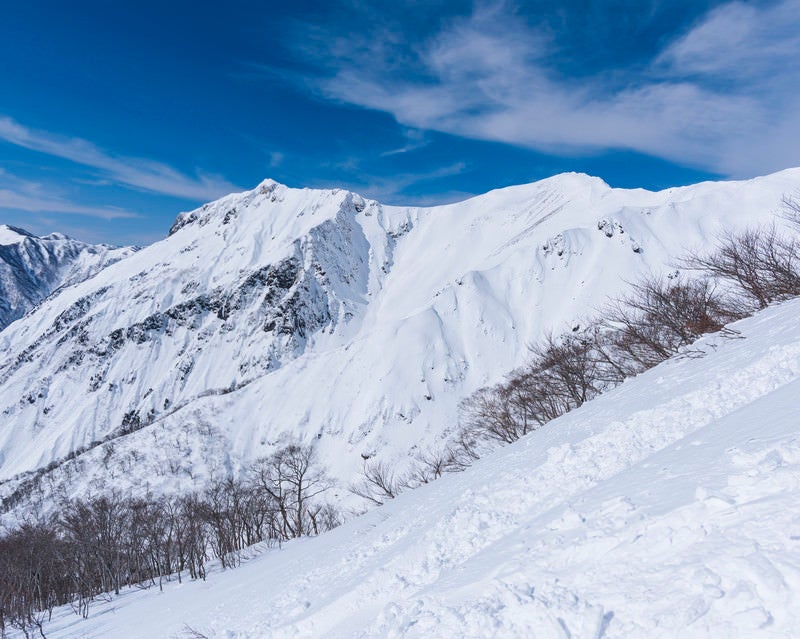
(12, 234)
(225, 210)
(328, 318)
(56, 236)
(32, 267)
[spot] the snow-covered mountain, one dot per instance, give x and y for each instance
(316, 315)
(664, 508)
(32, 267)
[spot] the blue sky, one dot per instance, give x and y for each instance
(116, 116)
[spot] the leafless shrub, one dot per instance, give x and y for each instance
(657, 319)
(429, 465)
(377, 483)
(191, 633)
(464, 450)
(222, 509)
(564, 372)
(499, 413)
(567, 368)
(33, 573)
(660, 316)
(791, 209)
(760, 264)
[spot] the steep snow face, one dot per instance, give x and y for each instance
(323, 317)
(32, 267)
(665, 508)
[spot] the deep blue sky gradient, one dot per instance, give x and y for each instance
(240, 91)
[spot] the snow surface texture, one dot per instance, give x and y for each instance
(317, 315)
(32, 267)
(665, 508)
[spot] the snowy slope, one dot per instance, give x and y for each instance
(665, 508)
(285, 313)
(32, 267)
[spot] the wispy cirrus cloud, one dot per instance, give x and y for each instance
(415, 139)
(32, 197)
(739, 42)
(138, 173)
(33, 204)
(723, 96)
(391, 188)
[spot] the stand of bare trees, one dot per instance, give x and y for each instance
(95, 547)
(659, 318)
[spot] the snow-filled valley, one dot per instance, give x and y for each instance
(283, 314)
(667, 507)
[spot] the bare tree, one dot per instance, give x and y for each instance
(223, 513)
(291, 480)
(96, 530)
(190, 513)
(98, 545)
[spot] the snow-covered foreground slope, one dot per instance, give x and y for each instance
(32, 267)
(316, 315)
(665, 508)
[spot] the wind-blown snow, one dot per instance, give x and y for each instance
(665, 508)
(318, 315)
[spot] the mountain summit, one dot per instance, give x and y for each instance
(321, 316)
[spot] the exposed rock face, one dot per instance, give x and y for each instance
(323, 317)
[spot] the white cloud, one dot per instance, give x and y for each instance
(18, 194)
(33, 204)
(275, 159)
(133, 172)
(390, 189)
(741, 42)
(723, 96)
(415, 139)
